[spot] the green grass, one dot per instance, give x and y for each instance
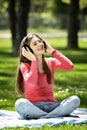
(61, 127)
(66, 83)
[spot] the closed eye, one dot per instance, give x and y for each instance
(35, 43)
(39, 41)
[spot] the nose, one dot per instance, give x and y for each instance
(40, 45)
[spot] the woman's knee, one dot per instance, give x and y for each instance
(76, 100)
(21, 105)
(20, 102)
(68, 105)
(71, 101)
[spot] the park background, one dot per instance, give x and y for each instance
(62, 23)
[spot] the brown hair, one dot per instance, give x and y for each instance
(19, 79)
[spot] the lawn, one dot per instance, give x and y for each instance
(66, 83)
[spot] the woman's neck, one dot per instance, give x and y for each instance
(39, 59)
(40, 67)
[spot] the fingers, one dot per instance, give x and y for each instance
(27, 54)
(49, 48)
(23, 50)
(27, 49)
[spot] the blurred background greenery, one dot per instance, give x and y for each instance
(54, 18)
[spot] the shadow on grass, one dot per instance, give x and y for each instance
(81, 70)
(83, 98)
(6, 74)
(5, 52)
(76, 55)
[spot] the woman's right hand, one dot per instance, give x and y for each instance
(28, 54)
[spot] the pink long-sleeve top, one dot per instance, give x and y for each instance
(36, 86)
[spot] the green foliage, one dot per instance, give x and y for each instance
(3, 6)
(59, 7)
(47, 20)
(82, 3)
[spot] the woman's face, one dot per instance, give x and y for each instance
(37, 46)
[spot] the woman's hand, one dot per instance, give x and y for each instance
(49, 48)
(28, 54)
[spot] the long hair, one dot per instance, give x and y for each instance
(19, 78)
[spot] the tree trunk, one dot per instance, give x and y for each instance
(73, 24)
(18, 22)
(23, 12)
(12, 20)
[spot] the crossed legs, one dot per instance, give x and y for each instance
(66, 107)
(29, 110)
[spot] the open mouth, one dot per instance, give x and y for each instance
(41, 48)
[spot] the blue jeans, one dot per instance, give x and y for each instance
(46, 109)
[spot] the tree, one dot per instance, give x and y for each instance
(18, 11)
(18, 17)
(74, 8)
(23, 11)
(12, 19)
(73, 24)
(73, 21)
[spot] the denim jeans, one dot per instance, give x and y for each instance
(46, 109)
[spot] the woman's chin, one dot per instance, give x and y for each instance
(40, 53)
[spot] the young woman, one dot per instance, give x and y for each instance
(35, 79)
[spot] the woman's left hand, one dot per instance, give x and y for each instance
(49, 48)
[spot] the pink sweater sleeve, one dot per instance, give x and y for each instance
(29, 73)
(61, 62)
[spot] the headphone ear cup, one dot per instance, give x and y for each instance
(31, 50)
(45, 45)
(26, 46)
